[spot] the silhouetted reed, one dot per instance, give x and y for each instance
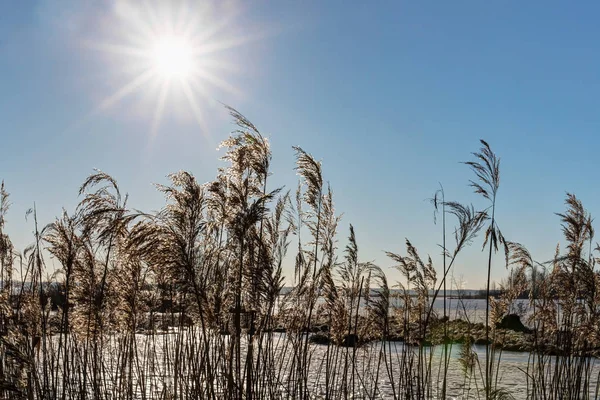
(189, 301)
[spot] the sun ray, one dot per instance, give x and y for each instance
(113, 98)
(208, 32)
(210, 48)
(160, 106)
(156, 24)
(218, 82)
(197, 87)
(196, 110)
(127, 89)
(219, 65)
(182, 15)
(118, 49)
(136, 22)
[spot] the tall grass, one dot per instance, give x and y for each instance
(487, 171)
(189, 301)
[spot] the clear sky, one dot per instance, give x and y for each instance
(390, 95)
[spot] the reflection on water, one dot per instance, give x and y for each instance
(372, 378)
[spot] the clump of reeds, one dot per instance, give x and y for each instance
(189, 301)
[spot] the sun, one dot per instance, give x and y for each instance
(173, 57)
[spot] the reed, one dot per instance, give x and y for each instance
(189, 301)
(486, 168)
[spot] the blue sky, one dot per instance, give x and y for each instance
(390, 95)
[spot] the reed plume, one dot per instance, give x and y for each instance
(486, 168)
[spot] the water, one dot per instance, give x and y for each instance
(371, 378)
(154, 367)
(472, 310)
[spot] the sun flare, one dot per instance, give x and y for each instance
(173, 57)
